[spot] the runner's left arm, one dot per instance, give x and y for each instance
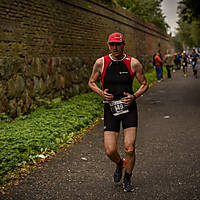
(139, 73)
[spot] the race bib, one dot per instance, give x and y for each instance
(118, 108)
(184, 63)
(193, 63)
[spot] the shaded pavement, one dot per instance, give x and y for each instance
(168, 154)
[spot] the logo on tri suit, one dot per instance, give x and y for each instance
(123, 72)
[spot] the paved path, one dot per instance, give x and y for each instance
(168, 154)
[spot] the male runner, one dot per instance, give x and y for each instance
(194, 56)
(158, 65)
(184, 63)
(117, 71)
(169, 63)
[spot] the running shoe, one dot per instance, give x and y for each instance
(118, 172)
(127, 185)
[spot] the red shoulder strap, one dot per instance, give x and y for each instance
(106, 62)
(127, 61)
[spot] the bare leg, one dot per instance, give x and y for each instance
(184, 70)
(110, 143)
(129, 148)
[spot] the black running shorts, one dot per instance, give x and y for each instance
(112, 123)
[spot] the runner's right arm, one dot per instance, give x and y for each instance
(96, 73)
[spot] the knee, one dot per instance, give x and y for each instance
(110, 151)
(129, 150)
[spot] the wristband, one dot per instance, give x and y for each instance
(134, 97)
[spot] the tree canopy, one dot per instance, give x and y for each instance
(189, 23)
(189, 10)
(150, 10)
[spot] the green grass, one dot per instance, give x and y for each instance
(47, 129)
(44, 131)
(150, 76)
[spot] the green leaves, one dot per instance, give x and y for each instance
(45, 130)
(189, 10)
(189, 23)
(149, 10)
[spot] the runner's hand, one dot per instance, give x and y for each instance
(107, 96)
(128, 99)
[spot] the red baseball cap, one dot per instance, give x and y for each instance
(116, 37)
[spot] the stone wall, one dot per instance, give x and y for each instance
(48, 48)
(28, 80)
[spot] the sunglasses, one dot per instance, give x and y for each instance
(115, 43)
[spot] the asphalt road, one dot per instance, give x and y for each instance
(168, 154)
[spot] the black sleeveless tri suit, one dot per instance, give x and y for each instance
(117, 77)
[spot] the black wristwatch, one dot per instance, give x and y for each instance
(134, 97)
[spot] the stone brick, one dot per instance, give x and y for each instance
(15, 86)
(44, 69)
(11, 88)
(37, 71)
(76, 76)
(62, 81)
(12, 108)
(51, 65)
(36, 85)
(2, 71)
(2, 89)
(4, 104)
(27, 105)
(67, 77)
(30, 87)
(42, 86)
(19, 85)
(19, 107)
(76, 89)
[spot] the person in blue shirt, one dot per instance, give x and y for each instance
(178, 57)
(175, 62)
(184, 63)
(194, 56)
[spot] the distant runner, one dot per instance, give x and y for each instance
(158, 65)
(117, 71)
(169, 63)
(184, 63)
(194, 56)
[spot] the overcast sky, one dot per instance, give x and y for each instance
(169, 9)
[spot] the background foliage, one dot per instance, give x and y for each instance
(189, 23)
(43, 132)
(150, 10)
